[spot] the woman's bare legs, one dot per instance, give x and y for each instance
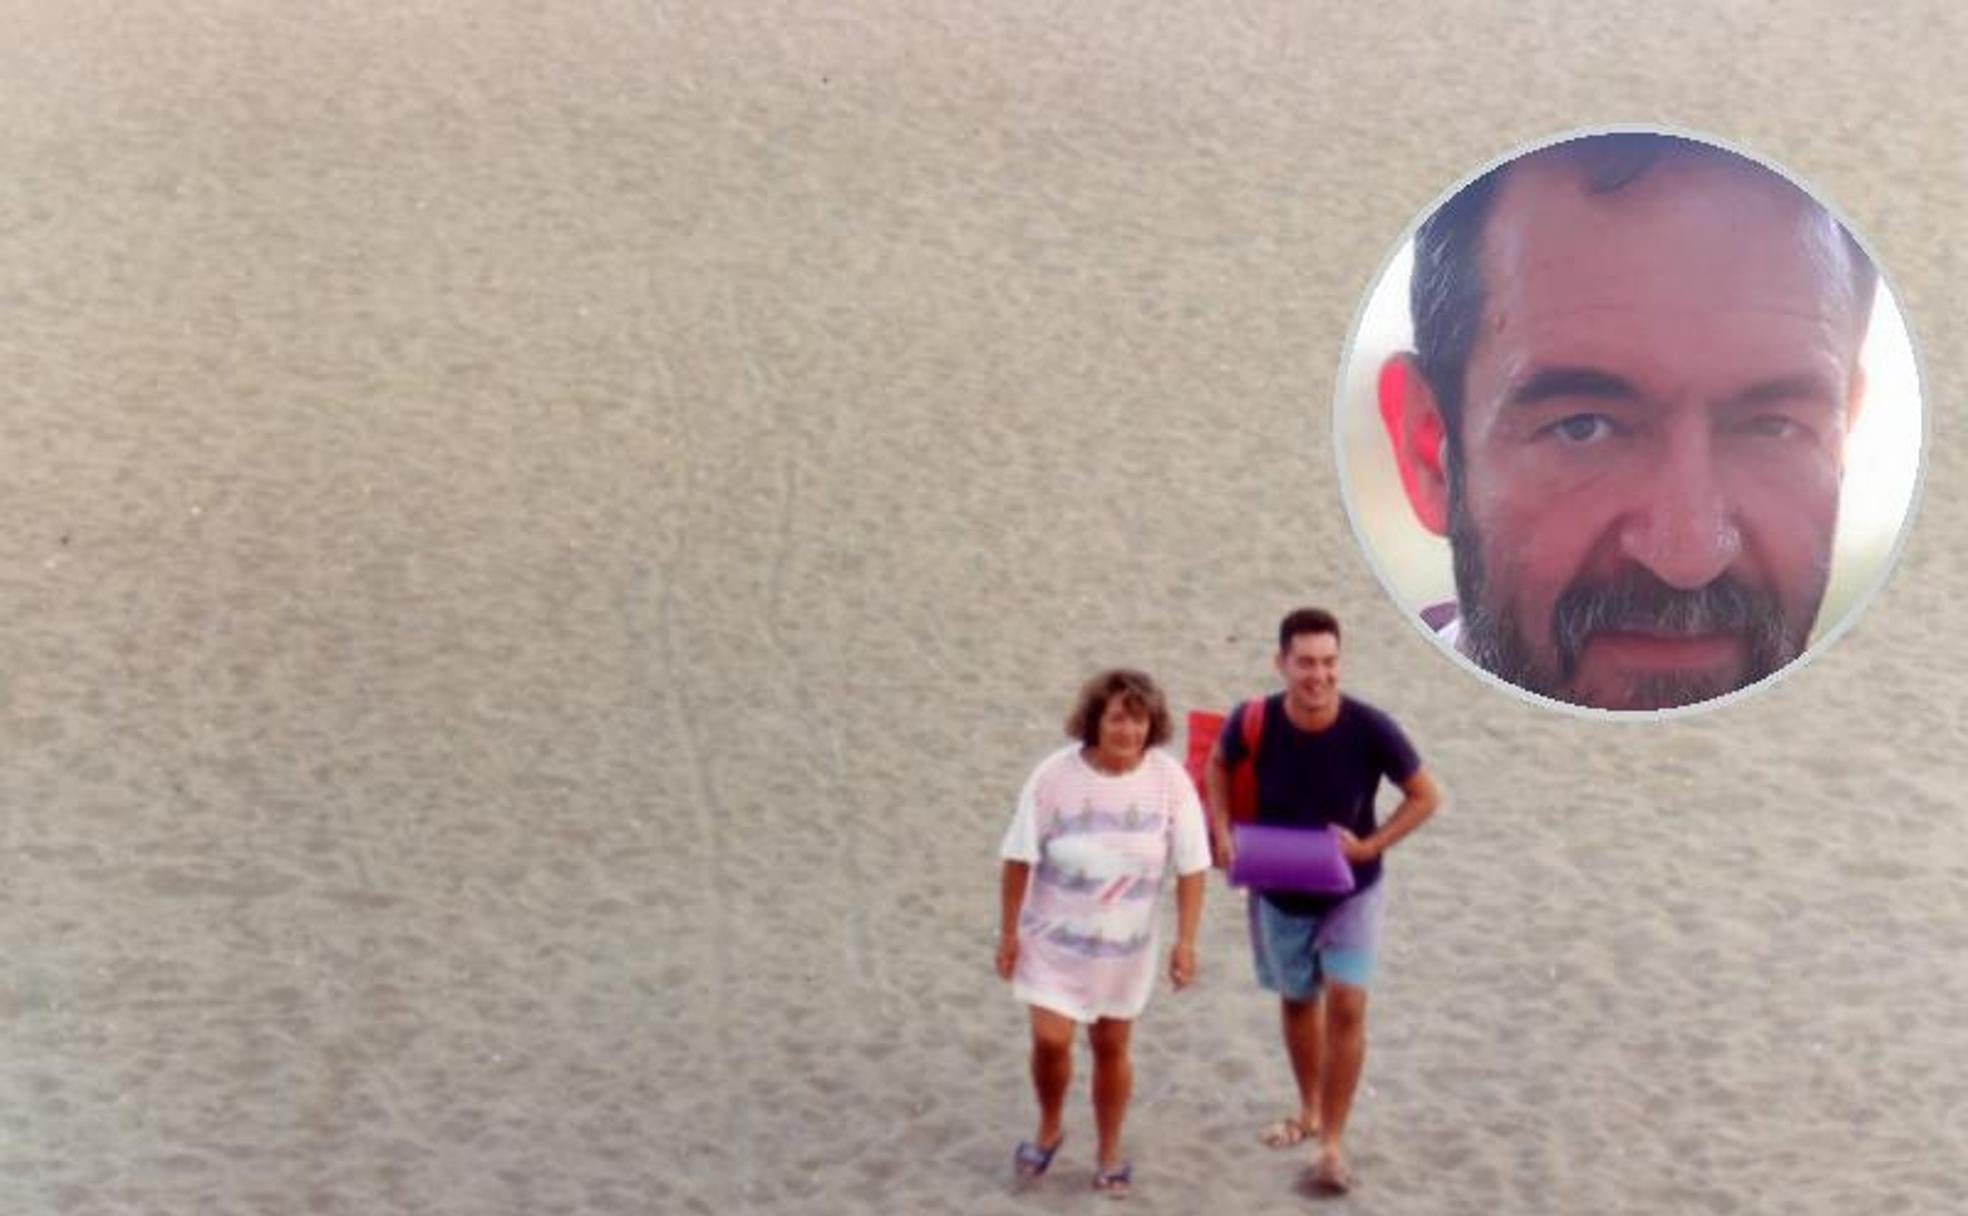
(1113, 1084)
(1052, 1070)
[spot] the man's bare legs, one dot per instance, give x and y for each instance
(1113, 1084)
(1052, 1070)
(1346, 1055)
(1304, 1041)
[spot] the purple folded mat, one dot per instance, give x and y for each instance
(1289, 859)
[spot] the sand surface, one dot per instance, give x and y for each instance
(539, 543)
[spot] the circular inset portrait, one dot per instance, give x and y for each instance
(1630, 423)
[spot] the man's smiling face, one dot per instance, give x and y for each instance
(1644, 486)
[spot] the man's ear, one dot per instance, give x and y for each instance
(1415, 432)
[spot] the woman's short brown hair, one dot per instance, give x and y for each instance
(1136, 690)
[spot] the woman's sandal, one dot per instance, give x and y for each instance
(1112, 1181)
(1030, 1161)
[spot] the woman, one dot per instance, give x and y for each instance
(1097, 825)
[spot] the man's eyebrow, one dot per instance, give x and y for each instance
(1549, 382)
(1804, 385)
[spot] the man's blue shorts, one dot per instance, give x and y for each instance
(1296, 954)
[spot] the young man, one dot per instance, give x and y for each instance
(1319, 761)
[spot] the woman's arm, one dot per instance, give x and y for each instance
(1188, 918)
(1011, 898)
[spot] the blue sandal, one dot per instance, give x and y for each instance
(1030, 1161)
(1112, 1181)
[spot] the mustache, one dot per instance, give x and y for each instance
(1637, 601)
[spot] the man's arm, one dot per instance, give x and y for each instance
(1216, 802)
(1421, 800)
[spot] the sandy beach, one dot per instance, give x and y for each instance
(539, 546)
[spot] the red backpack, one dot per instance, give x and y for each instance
(1204, 727)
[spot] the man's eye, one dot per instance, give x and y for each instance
(1776, 426)
(1582, 428)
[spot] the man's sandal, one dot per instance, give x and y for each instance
(1285, 1133)
(1332, 1177)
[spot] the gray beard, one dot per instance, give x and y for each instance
(1634, 599)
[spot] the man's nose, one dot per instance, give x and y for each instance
(1683, 525)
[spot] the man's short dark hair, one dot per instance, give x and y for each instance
(1136, 690)
(1306, 620)
(1445, 294)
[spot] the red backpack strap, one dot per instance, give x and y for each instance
(1243, 778)
(1204, 726)
(1253, 725)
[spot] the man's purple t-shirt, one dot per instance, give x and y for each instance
(1311, 778)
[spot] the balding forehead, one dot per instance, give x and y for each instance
(1612, 227)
